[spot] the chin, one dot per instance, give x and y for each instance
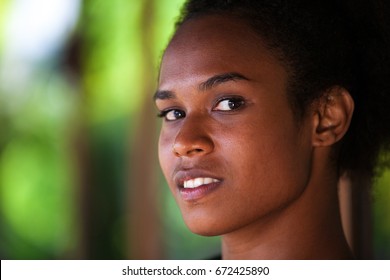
(204, 227)
(204, 231)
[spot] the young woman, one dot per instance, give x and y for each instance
(265, 104)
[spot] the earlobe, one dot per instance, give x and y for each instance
(332, 116)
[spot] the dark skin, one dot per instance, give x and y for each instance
(236, 159)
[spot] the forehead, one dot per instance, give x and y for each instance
(214, 44)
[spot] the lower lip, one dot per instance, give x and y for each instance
(190, 194)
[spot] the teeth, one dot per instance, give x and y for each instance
(194, 183)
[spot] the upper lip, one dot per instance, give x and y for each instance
(188, 174)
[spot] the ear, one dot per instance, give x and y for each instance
(332, 116)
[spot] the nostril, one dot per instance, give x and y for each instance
(180, 150)
(191, 146)
(195, 151)
(175, 151)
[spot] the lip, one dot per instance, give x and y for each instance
(191, 194)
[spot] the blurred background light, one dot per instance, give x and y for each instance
(37, 29)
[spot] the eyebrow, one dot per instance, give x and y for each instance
(206, 85)
(163, 94)
(221, 78)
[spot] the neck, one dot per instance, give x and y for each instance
(308, 228)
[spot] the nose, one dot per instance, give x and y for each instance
(193, 139)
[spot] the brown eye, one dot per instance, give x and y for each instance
(172, 115)
(229, 104)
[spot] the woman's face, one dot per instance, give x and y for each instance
(229, 147)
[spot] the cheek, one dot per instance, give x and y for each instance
(271, 162)
(267, 171)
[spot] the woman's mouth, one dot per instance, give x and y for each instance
(193, 189)
(194, 184)
(197, 182)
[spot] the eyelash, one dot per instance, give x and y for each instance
(163, 114)
(240, 100)
(236, 99)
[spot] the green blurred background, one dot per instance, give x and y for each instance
(79, 177)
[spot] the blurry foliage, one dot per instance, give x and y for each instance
(35, 168)
(381, 215)
(110, 58)
(92, 88)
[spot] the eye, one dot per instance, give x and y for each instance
(229, 104)
(172, 114)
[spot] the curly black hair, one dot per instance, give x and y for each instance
(326, 43)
